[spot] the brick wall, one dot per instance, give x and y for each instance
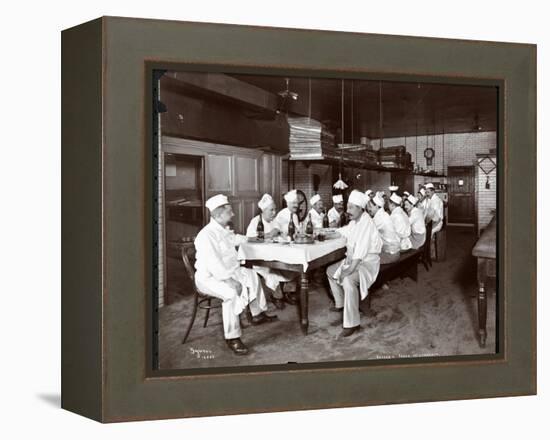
(453, 149)
(304, 180)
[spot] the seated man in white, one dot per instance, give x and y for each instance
(272, 277)
(416, 218)
(391, 243)
(291, 211)
(317, 211)
(219, 273)
(400, 221)
(434, 210)
(351, 278)
(336, 211)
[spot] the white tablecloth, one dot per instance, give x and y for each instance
(289, 253)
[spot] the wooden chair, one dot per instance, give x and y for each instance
(200, 299)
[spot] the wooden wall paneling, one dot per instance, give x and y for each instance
(246, 176)
(267, 174)
(219, 172)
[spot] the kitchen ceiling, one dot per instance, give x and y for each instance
(408, 109)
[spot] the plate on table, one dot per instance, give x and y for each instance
(281, 240)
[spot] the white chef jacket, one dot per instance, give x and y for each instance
(333, 215)
(363, 243)
(268, 226)
(283, 219)
(402, 226)
(418, 228)
(386, 229)
(216, 260)
(423, 206)
(435, 213)
(316, 218)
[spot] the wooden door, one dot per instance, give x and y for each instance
(461, 194)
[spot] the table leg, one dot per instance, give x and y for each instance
(304, 298)
(482, 313)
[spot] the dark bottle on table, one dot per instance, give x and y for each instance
(260, 229)
(325, 219)
(291, 228)
(343, 218)
(309, 226)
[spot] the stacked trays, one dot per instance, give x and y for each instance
(309, 139)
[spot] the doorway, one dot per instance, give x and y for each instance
(461, 195)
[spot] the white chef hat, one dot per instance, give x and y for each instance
(338, 198)
(396, 199)
(393, 188)
(291, 196)
(216, 201)
(406, 193)
(422, 191)
(368, 192)
(378, 200)
(380, 194)
(314, 199)
(412, 199)
(358, 198)
(265, 201)
(430, 185)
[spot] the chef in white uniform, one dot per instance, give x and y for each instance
(351, 278)
(416, 218)
(336, 210)
(316, 212)
(291, 211)
(422, 201)
(434, 212)
(269, 210)
(400, 221)
(391, 243)
(219, 273)
(272, 277)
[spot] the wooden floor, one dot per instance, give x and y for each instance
(435, 317)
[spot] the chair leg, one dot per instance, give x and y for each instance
(193, 316)
(425, 265)
(207, 312)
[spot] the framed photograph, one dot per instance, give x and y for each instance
(304, 219)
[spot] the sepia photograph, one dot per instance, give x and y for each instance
(303, 220)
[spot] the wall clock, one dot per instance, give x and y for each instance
(429, 154)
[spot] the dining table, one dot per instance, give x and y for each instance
(485, 251)
(303, 259)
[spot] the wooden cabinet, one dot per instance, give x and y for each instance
(243, 174)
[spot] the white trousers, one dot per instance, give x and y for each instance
(235, 302)
(271, 277)
(346, 295)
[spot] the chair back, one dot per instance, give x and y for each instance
(188, 253)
